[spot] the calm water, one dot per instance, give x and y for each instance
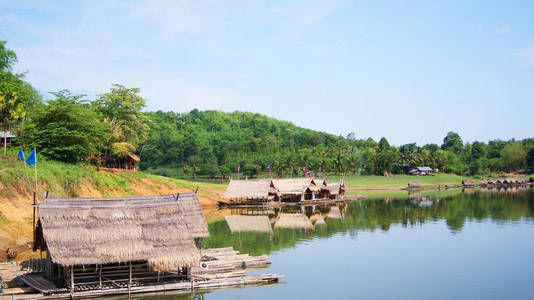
(431, 246)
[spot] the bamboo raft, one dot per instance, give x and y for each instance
(221, 268)
(227, 259)
(273, 204)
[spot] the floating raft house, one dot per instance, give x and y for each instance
(251, 191)
(104, 246)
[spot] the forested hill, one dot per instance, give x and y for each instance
(213, 143)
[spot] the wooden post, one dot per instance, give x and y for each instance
(34, 204)
(35, 168)
(72, 280)
(130, 279)
(100, 276)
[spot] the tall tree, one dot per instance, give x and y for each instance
(513, 156)
(453, 142)
(122, 109)
(15, 94)
(383, 145)
(66, 129)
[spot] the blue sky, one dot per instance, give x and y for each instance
(407, 70)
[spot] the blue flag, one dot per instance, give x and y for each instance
(20, 155)
(32, 158)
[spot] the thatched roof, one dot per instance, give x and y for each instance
(134, 157)
(193, 216)
(250, 189)
(96, 231)
(240, 223)
(468, 182)
(295, 221)
(187, 202)
(414, 183)
(335, 188)
(334, 213)
(294, 186)
(321, 184)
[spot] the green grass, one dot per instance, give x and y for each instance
(63, 179)
(373, 181)
(401, 194)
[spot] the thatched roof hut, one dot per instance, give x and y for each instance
(414, 183)
(99, 231)
(239, 223)
(321, 184)
(294, 221)
(263, 190)
(336, 189)
(468, 182)
(295, 187)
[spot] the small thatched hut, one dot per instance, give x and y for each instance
(296, 189)
(239, 223)
(468, 183)
(336, 190)
(251, 191)
(414, 184)
(293, 221)
(94, 243)
(323, 191)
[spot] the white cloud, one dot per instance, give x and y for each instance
(503, 30)
(526, 55)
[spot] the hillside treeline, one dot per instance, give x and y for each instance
(214, 144)
(105, 130)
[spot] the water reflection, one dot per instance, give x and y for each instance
(260, 231)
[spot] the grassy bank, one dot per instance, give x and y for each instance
(373, 181)
(17, 184)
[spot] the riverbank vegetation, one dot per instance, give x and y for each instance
(210, 144)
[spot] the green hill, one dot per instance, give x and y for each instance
(213, 144)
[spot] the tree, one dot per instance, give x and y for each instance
(8, 58)
(530, 159)
(15, 94)
(452, 142)
(67, 129)
(121, 108)
(383, 145)
(513, 157)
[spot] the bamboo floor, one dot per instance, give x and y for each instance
(221, 268)
(296, 203)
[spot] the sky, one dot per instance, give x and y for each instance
(410, 71)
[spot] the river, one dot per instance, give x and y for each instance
(434, 245)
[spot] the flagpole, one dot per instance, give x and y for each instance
(35, 152)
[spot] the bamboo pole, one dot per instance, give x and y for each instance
(72, 280)
(33, 223)
(35, 153)
(130, 279)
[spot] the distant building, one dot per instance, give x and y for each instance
(421, 171)
(9, 136)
